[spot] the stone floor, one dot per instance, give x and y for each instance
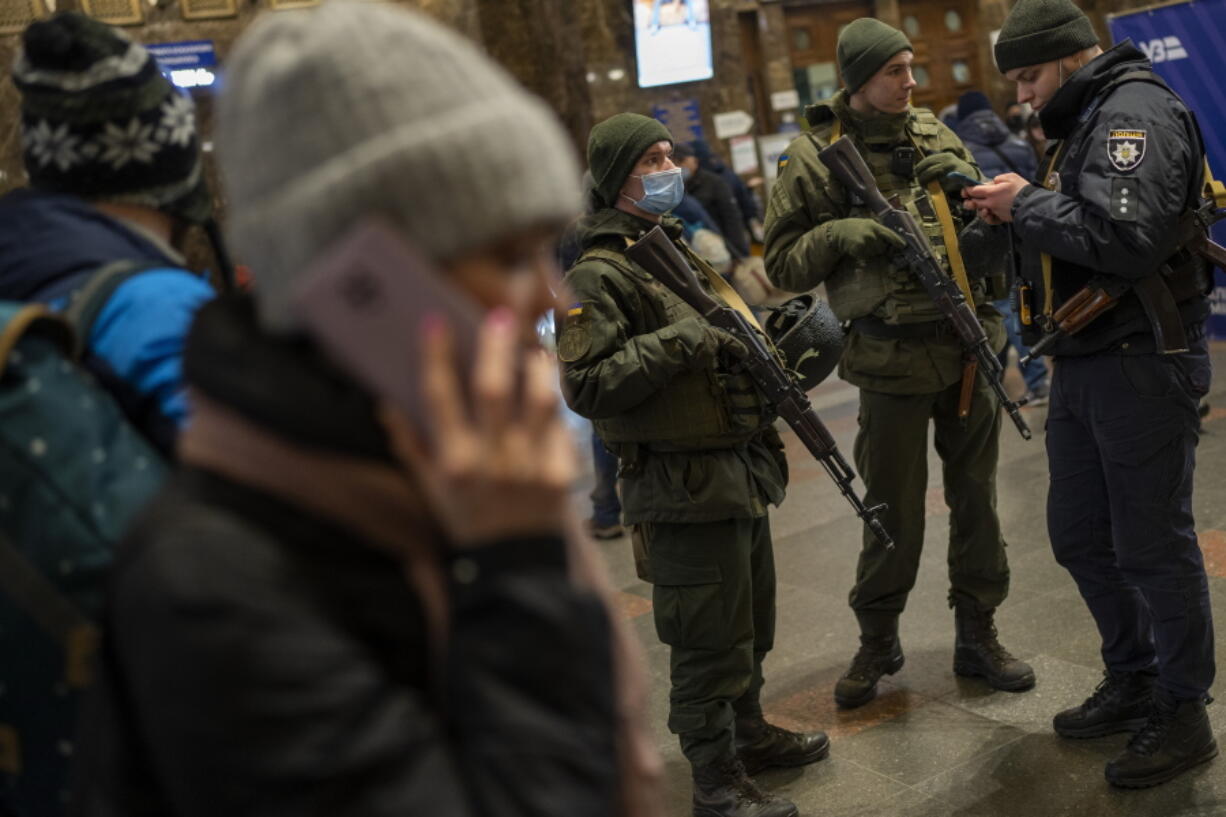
(933, 744)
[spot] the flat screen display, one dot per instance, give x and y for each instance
(672, 41)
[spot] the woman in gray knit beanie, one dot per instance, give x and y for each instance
(403, 616)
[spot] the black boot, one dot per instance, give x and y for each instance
(724, 790)
(877, 656)
(761, 745)
(1176, 737)
(978, 653)
(1122, 702)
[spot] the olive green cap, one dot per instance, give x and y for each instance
(615, 147)
(1039, 31)
(864, 46)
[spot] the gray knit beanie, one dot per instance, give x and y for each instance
(864, 46)
(359, 108)
(1039, 31)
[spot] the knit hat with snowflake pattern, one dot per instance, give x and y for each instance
(99, 120)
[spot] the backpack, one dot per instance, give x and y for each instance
(73, 473)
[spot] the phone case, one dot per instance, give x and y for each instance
(364, 301)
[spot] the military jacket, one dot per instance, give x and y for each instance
(803, 203)
(694, 442)
(1128, 164)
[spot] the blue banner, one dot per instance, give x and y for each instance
(1186, 43)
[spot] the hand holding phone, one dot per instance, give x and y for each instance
(469, 409)
(364, 301)
(505, 469)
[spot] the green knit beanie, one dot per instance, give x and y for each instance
(864, 46)
(1039, 31)
(615, 147)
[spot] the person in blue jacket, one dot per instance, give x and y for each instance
(114, 166)
(997, 151)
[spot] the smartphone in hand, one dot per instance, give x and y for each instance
(364, 301)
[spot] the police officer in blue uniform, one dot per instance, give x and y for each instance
(1112, 222)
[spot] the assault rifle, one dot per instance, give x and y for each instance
(1103, 292)
(657, 254)
(849, 168)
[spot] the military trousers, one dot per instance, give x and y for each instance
(714, 603)
(1121, 443)
(891, 453)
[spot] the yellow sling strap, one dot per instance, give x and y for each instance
(1215, 191)
(722, 288)
(950, 235)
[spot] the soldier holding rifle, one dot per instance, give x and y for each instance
(699, 462)
(902, 352)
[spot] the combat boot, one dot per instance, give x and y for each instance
(761, 745)
(1122, 702)
(1176, 737)
(877, 656)
(723, 789)
(978, 652)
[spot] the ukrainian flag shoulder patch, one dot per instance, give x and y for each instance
(783, 161)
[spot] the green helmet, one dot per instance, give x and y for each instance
(810, 337)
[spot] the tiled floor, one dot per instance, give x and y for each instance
(933, 745)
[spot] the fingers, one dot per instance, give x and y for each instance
(405, 443)
(889, 240)
(442, 396)
(540, 396)
(494, 372)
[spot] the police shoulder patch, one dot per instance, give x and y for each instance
(1126, 149)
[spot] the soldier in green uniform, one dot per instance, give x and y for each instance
(902, 355)
(699, 463)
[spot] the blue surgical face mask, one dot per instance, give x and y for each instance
(662, 191)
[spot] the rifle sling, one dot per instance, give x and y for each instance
(953, 254)
(721, 287)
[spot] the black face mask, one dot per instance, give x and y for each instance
(1016, 122)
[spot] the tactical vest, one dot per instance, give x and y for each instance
(874, 286)
(698, 409)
